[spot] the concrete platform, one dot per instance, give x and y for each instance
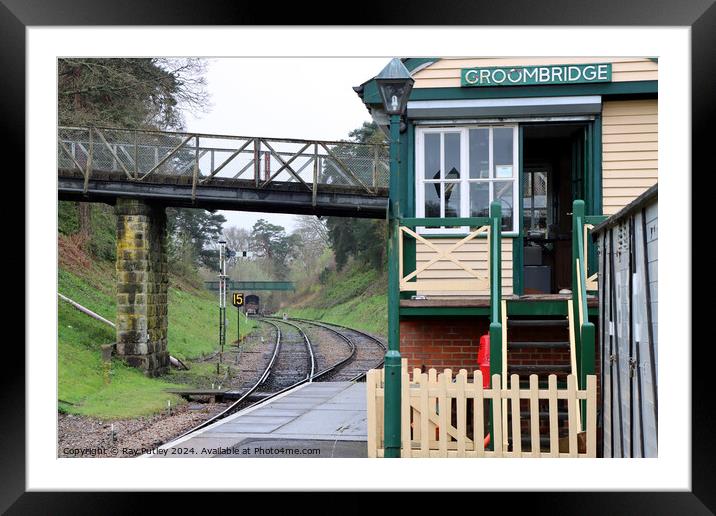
(326, 419)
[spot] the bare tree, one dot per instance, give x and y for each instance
(312, 229)
(237, 238)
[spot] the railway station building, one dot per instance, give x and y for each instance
(505, 165)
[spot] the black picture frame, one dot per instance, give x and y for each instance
(17, 15)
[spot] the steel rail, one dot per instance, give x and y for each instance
(267, 371)
(309, 347)
(228, 410)
(338, 364)
(264, 376)
(368, 336)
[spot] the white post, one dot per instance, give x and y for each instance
(222, 298)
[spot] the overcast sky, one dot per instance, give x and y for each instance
(309, 98)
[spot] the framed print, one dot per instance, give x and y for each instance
(531, 175)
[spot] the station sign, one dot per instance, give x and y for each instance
(536, 75)
(237, 299)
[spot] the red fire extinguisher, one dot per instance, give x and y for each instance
(483, 359)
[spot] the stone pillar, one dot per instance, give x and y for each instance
(142, 285)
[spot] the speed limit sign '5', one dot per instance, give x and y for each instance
(238, 299)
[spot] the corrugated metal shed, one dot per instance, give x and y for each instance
(628, 300)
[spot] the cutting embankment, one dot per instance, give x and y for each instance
(354, 297)
(84, 386)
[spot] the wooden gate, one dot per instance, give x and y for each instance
(432, 402)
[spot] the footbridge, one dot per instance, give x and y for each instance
(143, 172)
(212, 171)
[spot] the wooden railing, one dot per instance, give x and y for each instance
(582, 331)
(411, 282)
(445, 416)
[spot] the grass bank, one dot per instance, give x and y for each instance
(355, 297)
(193, 315)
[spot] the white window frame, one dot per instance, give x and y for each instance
(464, 180)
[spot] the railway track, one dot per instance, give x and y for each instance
(245, 400)
(296, 361)
(293, 363)
(366, 353)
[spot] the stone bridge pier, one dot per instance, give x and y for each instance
(142, 285)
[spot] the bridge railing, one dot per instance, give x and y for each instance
(200, 159)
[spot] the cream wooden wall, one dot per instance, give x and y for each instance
(445, 73)
(629, 151)
(473, 254)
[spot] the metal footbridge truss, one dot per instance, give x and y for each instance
(211, 171)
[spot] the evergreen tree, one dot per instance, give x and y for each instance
(270, 242)
(194, 235)
(361, 239)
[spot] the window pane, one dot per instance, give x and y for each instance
(502, 152)
(540, 189)
(480, 199)
(527, 190)
(432, 199)
(452, 155)
(432, 156)
(452, 199)
(479, 153)
(503, 193)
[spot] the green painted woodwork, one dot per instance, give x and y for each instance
(252, 285)
(463, 235)
(444, 311)
(577, 217)
(407, 203)
(518, 249)
(553, 90)
(596, 206)
(586, 362)
(412, 63)
(448, 221)
(597, 164)
(644, 88)
(392, 357)
(495, 296)
(542, 308)
(587, 176)
(495, 268)
(514, 308)
(595, 219)
(409, 155)
(585, 333)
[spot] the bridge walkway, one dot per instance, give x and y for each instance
(213, 171)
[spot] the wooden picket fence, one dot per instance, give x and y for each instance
(432, 402)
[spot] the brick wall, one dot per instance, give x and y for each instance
(452, 342)
(442, 342)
